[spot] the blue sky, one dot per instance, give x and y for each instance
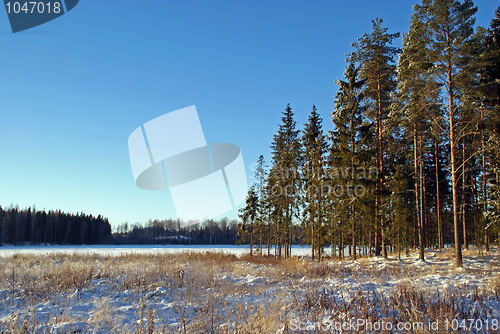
(73, 90)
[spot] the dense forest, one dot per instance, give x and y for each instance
(413, 160)
(54, 227)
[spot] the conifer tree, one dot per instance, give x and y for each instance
(414, 91)
(450, 24)
(349, 152)
(440, 161)
(313, 170)
(284, 182)
(260, 182)
(399, 183)
(375, 55)
(248, 216)
(489, 99)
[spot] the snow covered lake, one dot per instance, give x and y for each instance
(238, 250)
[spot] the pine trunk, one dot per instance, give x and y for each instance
(417, 193)
(454, 179)
(438, 204)
(485, 198)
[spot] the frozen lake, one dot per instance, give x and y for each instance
(9, 250)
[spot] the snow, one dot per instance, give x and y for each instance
(105, 308)
(114, 250)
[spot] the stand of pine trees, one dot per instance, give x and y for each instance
(414, 157)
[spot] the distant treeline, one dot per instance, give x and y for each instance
(168, 231)
(32, 226)
(19, 226)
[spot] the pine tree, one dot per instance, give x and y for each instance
(490, 64)
(375, 55)
(450, 25)
(489, 99)
(439, 188)
(414, 93)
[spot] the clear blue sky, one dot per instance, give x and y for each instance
(72, 90)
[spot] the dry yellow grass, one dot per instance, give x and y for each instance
(209, 292)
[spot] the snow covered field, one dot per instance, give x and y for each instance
(189, 290)
(9, 250)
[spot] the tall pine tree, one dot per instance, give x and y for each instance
(450, 25)
(415, 89)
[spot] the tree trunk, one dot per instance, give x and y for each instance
(423, 197)
(418, 194)
(312, 239)
(438, 202)
(353, 233)
(370, 238)
(381, 167)
(454, 179)
(319, 235)
(485, 198)
(342, 246)
(464, 186)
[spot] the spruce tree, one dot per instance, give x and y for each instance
(313, 170)
(284, 181)
(349, 152)
(260, 183)
(248, 215)
(375, 55)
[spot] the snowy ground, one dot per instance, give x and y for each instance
(9, 250)
(166, 290)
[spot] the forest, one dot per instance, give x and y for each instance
(413, 158)
(21, 226)
(169, 231)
